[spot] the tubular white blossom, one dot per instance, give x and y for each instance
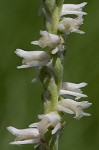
(69, 25)
(47, 39)
(73, 86)
(24, 136)
(75, 107)
(75, 9)
(72, 89)
(52, 119)
(33, 58)
(78, 95)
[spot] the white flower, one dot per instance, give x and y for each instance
(73, 86)
(75, 9)
(48, 120)
(73, 107)
(72, 89)
(71, 25)
(48, 39)
(24, 136)
(33, 58)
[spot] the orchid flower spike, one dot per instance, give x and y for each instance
(24, 136)
(33, 58)
(57, 96)
(75, 9)
(73, 107)
(48, 39)
(72, 89)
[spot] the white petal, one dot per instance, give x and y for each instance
(74, 6)
(81, 114)
(78, 13)
(27, 54)
(43, 126)
(47, 39)
(24, 133)
(13, 130)
(78, 95)
(86, 114)
(61, 26)
(32, 55)
(33, 64)
(73, 9)
(44, 33)
(52, 37)
(54, 51)
(63, 109)
(53, 118)
(80, 6)
(35, 42)
(68, 85)
(35, 80)
(85, 104)
(24, 142)
(33, 125)
(23, 66)
(79, 31)
(21, 53)
(57, 127)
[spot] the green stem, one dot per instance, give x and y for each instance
(51, 79)
(58, 68)
(55, 21)
(52, 88)
(59, 5)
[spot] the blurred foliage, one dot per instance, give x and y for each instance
(20, 100)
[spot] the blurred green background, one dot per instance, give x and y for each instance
(20, 100)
